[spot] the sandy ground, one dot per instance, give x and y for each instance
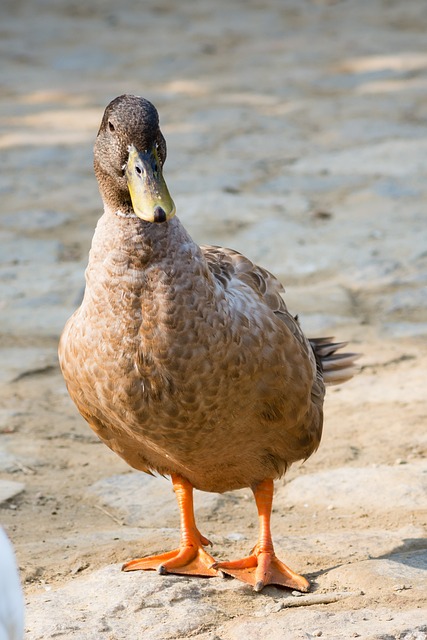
(296, 134)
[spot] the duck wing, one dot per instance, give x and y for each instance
(230, 268)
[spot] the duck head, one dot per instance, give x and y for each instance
(129, 155)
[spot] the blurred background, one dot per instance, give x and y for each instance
(296, 133)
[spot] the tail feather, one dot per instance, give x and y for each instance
(336, 367)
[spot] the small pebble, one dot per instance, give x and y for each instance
(80, 566)
(402, 587)
(235, 537)
(322, 215)
(274, 608)
(297, 594)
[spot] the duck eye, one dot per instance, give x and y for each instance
(111, 126)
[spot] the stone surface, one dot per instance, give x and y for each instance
(7, 461)
(20, 361)
(16, 249)
(401, 574)
(369, 624)
(395, 158)
(379, 487)
(10, 489)
(33, 220)
(145, 500)
(128, 605)
(125, 606)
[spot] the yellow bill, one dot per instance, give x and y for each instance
(150, 197)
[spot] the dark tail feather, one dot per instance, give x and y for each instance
(336, 367)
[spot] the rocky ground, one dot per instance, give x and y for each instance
(296, 133)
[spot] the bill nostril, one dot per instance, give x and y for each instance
(159, 214)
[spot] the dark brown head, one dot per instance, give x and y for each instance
(129, 154)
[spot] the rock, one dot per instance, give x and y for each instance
(34, 220)
(401, 573)
(395, 158)
(353, 545)
(147, 500)
(318, 324)
(263, 241)
(333, 300)
(125, 605)
(404, 329)
(164, 607)
(38, 302)
(396, 190)
(402, 487)
(25, 361)
(9, 489)
(38, 319)
(313, 184)
(7, 418)
(369, 624)
(20, 249)
(7, 461)
(407, 305)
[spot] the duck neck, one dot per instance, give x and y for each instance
(124, 240)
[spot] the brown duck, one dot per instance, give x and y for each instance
(184, 359)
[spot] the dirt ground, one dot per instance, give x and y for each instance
(296, 134)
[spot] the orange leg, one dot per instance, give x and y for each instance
(190, 558)
(262, 567)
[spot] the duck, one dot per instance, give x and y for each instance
(184, 359)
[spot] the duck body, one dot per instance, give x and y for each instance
(184, 359)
